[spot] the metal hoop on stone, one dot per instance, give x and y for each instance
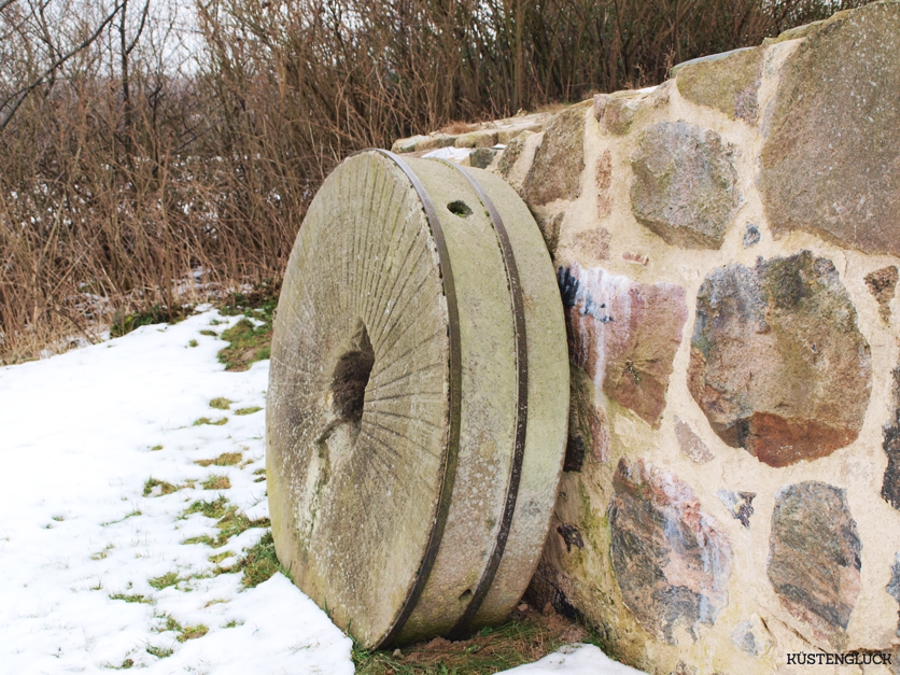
(417, 402)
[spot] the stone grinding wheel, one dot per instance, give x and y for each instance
(418, 398)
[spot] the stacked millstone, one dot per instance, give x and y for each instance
(727, 247)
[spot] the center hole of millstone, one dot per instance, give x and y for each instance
(351, 375)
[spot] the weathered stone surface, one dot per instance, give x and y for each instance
(603, 181)
(671, 560)
(691, 444)
(549, 227)
(570, 535)
(366, 439)
(740, 504)
(482, 138)
(890, 488)
(552, 586)
(624, 335)
(481, 158)
(751, 636)
(729, 84)
(511, 153)
(435, 142)
(751, 235)
(882, 283)
(558, 163)
(684, 186)
(893, 587)
(742, 637)
(615, 113)
(778, 364)
(594, 242)
(814, 556)
(588, 427)
(830, 164)
(402, 145)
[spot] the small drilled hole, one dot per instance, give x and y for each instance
(459, 208)
(466, 594)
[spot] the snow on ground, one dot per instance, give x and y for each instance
(94, 569)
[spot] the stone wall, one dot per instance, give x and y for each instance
(727, 246)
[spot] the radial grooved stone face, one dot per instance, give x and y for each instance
(778, 364)
(417, 400)
(671, 560)
(814, 556)
(684, 184)
(830, 164)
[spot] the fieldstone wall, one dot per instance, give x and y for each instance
(727, 247)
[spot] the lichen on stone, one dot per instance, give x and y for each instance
(829, 165)
(671, 559)
(685, 184)
(729, 84)
(814, 557)
(778, 364)
(559, 162)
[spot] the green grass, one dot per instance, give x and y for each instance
(124, 324)
(259, 562)
(259, 302)
(524, 639)
(123, 518)
(192, 632)
(205, 420)
(234, 522)
(215, 509)
(231, 522)
(215, 482)
(165, 488)
(101, 555)
(225, 459)
(247, 411)
(202, 539)
(165, 581)
(136, 597)
(209, 333)
(249, 344)
(220, 403)
(160, 652)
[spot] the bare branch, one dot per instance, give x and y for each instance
(18, 97)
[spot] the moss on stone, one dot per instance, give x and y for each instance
(729, 84)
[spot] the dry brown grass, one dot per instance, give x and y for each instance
(527, 637)
(130, 187)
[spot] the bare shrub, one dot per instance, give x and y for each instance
(134, 153)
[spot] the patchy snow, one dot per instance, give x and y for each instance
(94, 569)
(575, 660)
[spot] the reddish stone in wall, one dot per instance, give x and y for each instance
(672, 562)
(624, 335)
(777, 361)
(814, 556)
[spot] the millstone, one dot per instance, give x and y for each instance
(417, 400)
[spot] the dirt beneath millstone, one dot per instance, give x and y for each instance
(528, 636)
